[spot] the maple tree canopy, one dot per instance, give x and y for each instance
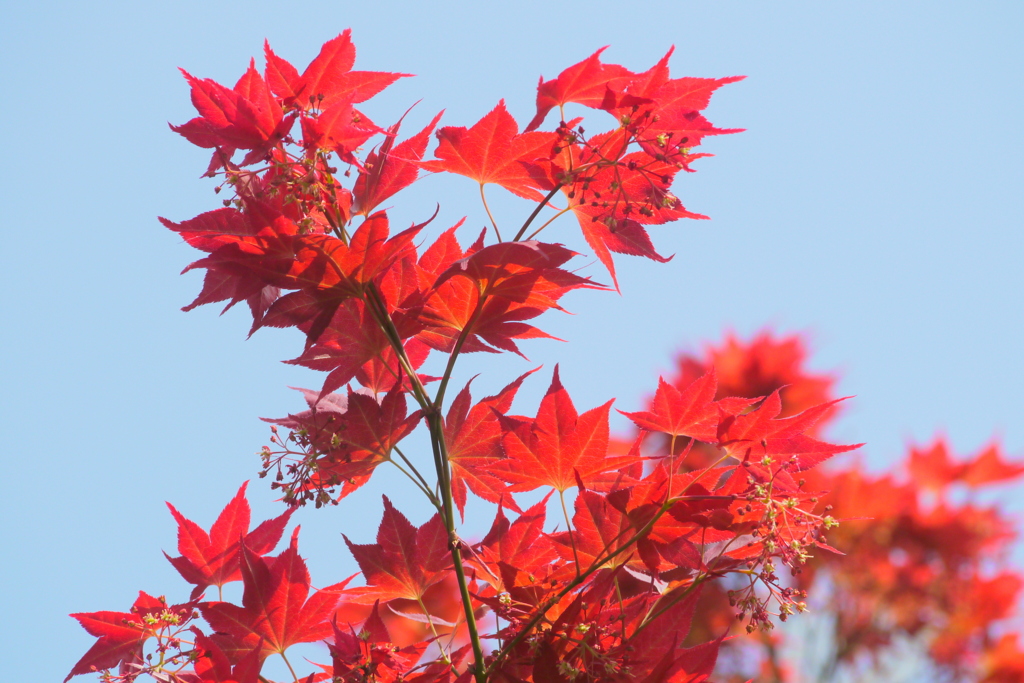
(720, 485)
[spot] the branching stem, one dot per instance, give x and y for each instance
(536, 211)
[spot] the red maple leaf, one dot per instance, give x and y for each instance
(756, 368)
(122, 634)
(328, 79)
(613, 202)
(370, 653)
(473, 437)
(350, 340)
(585, 83)
(684, 665)
(932, 467)
(493, 151)
(390, 169)
(599, 529)
(487, 295)
(663, 113)
(613, 192)
(214, 559)
(339, 128)
(382, 372)
(245, 117)
(275, 612)
(760, 433)
(691, 412)
(521, 544)
(560, 447)
(349, 436)
(667, 119)
(405, 561)
(262, 247)
(214, 666)
(989, 467)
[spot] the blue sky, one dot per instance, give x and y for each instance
(874, 202)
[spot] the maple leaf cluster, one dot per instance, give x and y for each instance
(921, 559)
(712, 490)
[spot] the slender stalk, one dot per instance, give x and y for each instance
(435, 423)
(454, 543)
(295, 678)
(568, 527)
(419, 477)
(378, 308)
(430, 623)
(494, 224)
(536, 211)
(479, 671)
(457, 349)
(426, 491)
(547, 223)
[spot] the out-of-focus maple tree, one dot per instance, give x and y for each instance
(924, 562)
(719, 498)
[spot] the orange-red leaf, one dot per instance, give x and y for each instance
(682, 413)
(492, 151)
(560, 447)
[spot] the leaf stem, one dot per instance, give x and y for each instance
(295, 678)
(430, 622)
(494, 223)
(536, 211)
(421, 479)
(426, 491)
(568, 526)
(548, 222)
(431, 409)
(378, 308)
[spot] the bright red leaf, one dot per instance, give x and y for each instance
(328, 79)
(122, 634)
(585, 83)
(348, 437)
(560, 447)
(682, 413)
(493, 151)
(213, 559)
(214, 666)
(473, 436)
(404, 562)
(277, 610)
(389, 169)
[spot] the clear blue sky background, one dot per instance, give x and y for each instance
(875, 201)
